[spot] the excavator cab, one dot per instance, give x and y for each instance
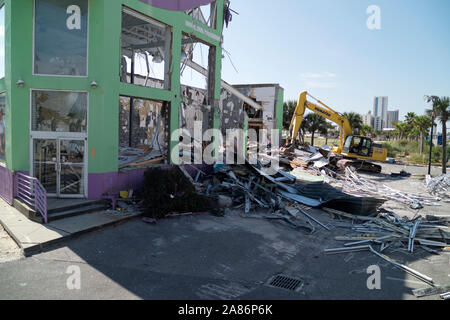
(358, 145)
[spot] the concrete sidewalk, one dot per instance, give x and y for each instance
(32, 236)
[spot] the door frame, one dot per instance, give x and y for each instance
(58, 139)
(49, 135)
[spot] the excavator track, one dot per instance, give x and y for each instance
(360, 165)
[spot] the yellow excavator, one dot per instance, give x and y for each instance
(357, 150)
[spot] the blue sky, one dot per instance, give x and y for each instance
(325, 47)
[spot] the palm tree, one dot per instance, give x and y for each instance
(355, 119)
(326, 130)
(302, 131)
(288, 113)
(402, 129)
(409, 132)
(422, 124)
(314, 122)
(442, 112)
(409, 118)
(366, 130)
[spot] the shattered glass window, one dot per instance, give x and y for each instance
(146, 51)
(143, 133)
(59, 111)
(61, 37)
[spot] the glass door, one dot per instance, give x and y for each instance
(58, 130)
(60, 166)
(71, 168)
(45, 164)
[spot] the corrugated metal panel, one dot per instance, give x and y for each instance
(336, 199)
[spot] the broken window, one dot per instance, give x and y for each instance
(206, 14)
(146, 51)
(59, 111)
(194, 62)
(195, 119)
(143, 132)
(61, 37)
(197, 92)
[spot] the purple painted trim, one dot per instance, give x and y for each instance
(177, 5)
(30, 191)
(6, 185)
(109, 183)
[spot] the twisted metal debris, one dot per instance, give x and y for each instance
(439, 186)
(391, 232)
(354, 184)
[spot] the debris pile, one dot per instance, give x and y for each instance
(169, 191)
(308, 159)
(355, 184)
(139, 157)
(314, 165)
(251, 188)
(390, 232)
(439, 186)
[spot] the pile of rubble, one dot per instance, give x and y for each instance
(439, 186)
(280, 196)
(311, 165)
(310, 158)
(352, 183)
(340, 191)
(139, 157)
(353, 202)
(389, 231)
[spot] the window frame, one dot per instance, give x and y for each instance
(51, 134)
(149, 19)
(34, 47)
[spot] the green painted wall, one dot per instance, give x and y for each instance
(104, 61)
(279, 109)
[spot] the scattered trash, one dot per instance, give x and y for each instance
(445, 296)
(316, 181)
(402, 173)
(126, 194)
(390, 160)
(354, 184)
(439, 186)
(419, 293)
(389, 229)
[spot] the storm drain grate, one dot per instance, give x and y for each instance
(285, 282)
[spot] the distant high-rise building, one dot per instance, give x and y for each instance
(368, 119)
(392, 117)
(378, 123)
(380, 109)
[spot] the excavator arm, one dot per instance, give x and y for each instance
(321, 109)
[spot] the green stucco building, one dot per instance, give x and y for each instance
(91, 91)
